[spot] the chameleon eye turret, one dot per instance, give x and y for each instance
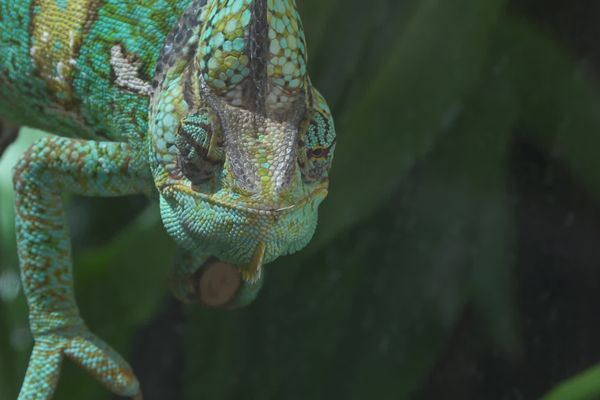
(317, 143)
(200, 147)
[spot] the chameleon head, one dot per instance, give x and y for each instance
(240, 142)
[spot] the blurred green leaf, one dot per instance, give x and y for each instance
(401, 103)
(480, 152)
(558, 99)
(584, 386)
(8, 386)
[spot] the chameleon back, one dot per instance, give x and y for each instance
(82, 68)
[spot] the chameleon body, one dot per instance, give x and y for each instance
(204, 105)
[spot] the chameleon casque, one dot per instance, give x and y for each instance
(204, 105)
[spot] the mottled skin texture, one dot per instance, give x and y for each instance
(205, 106)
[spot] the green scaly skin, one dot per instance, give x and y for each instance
(203, 105)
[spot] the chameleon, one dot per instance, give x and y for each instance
(205, 106)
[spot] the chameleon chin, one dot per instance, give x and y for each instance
(239, 242)
(241, 238)
(217, 119)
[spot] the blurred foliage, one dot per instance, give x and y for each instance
(418, 231)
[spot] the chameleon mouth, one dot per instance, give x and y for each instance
(321, 190)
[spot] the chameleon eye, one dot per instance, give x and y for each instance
(200, 149)
(319, 152)
(317, 146)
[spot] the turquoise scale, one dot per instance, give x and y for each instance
(222, 57)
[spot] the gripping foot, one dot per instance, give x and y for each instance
(86, 350)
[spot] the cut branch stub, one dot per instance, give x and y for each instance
(217, 284)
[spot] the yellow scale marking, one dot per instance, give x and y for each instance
(57, 34)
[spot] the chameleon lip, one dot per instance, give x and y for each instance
(322, 189)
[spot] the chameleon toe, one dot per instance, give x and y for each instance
(104, 363)
(43, 370)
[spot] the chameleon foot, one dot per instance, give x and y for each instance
(86, 350)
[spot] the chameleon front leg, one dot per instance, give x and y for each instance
(51, 167)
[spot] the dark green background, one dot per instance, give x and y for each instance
(457, 256)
